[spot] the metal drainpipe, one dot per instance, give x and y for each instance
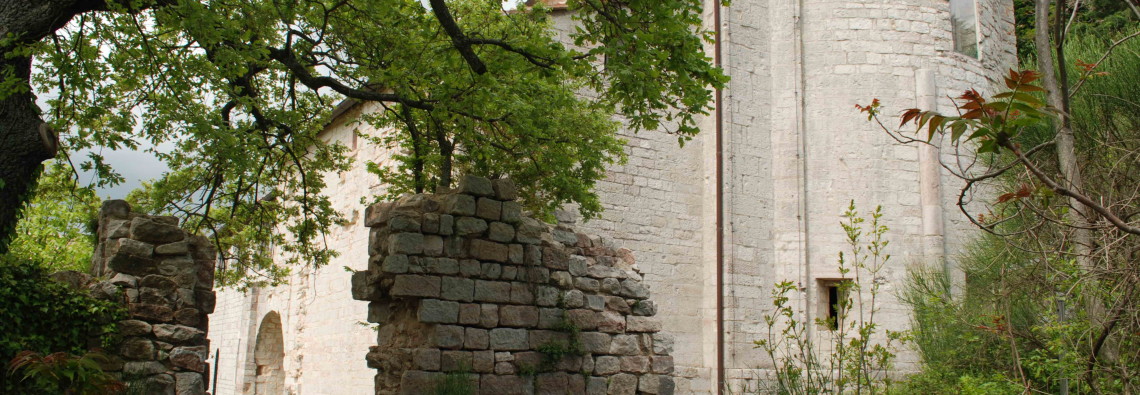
(801, 130)
(719, 179)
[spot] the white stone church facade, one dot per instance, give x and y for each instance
(788, 150)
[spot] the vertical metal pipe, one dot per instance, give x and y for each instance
(719, 179)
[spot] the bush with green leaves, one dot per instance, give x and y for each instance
(41, 315)
(856, 353)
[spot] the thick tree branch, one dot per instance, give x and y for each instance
(458, 39)
(289, 60)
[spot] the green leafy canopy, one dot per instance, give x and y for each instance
(243, 88)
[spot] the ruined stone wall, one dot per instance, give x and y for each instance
(165, 279)
(466, 291)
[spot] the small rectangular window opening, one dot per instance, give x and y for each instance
(963, 20)
(832, 294)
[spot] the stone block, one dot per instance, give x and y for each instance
(611, 322)
(470, 226)
(457, 204)
(509, 339)
(131, 264)
(476, 339)
(492, 291)
(532, 254)
(446, 266)
(494, 384)
(556, 383)
(555, 258)
(509, 273)
(595, 342)
(206, 300)
(426, 358)
(449, 336)
(645, 308)
(189, 358)
(529, 361)
(635, 364)
(133, 328)
(178, 334)
(505, 189)
(470, 268)
(187, 383)
(502, 233)
(511, 213)
(546, 295)
(151, 313)
(124, 280)
(604, 272)
(363, 289)
(488, 209)
(649, 384)
(188, 316)
(446, 225)
(488, 250)
(565, 236)
(583, 319)
(406, 243)
(596, 386)
(540, 338)
(562, 279)
(434, 311)
(625, 345)
(379, 312)
(642, 324)
(455, 361)
(520, 292)
(415, 285)
(491, 271)
(606, 365)
(662, 364)
(457, 288)
(477, 186)
(395, 264)
(530, 231)
(136, 348)
(404, 222)
(505, 368)
(378, 214)
(433, 245)
(577, 265)
(468, 314)
(153, 231)
(515, 254)
(488, 315)
(634, 289)
(573, 299)
(596, 302)
(430, 223)
(483, 361)
(175, 248)
(662, 343)
(538, 275)
(142, 368)
(617, 304)
(518, 316)
(415, 382)
(623, 384)
(549, 318)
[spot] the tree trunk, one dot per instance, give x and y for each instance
(25, 140)
(27, 143)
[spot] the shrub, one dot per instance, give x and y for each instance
(43, 316)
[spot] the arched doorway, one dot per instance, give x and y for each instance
(269, 357)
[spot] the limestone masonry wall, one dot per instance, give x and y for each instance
(165, 278)
(467, 291)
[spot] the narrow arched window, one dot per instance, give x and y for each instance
(964, 24)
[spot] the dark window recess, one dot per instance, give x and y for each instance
(833, 306)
